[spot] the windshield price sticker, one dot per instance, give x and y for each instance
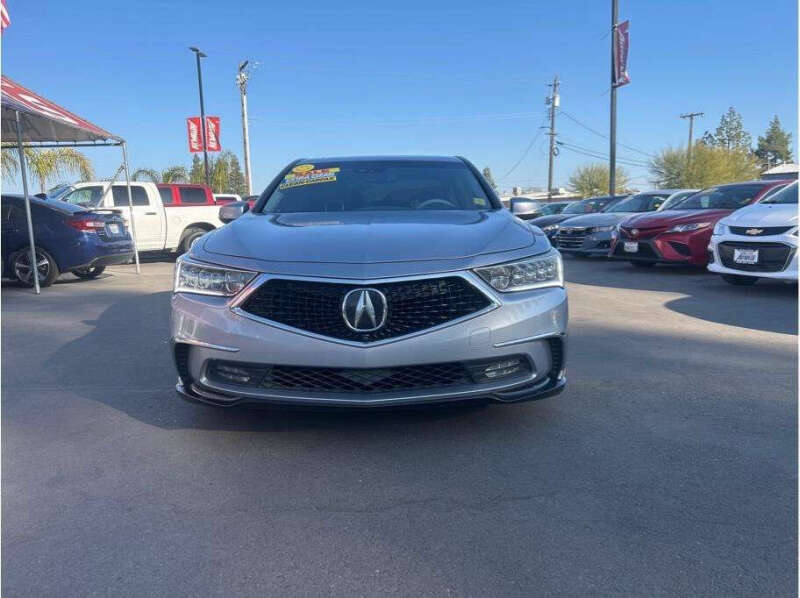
(306, 174)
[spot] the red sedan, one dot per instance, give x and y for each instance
(682, 235)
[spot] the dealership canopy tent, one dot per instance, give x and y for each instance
(36, 122)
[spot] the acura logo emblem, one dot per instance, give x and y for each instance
(635, 232)
(754, 231)
(364, 310)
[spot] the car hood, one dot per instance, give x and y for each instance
(552, 219)
(369, 237)
(597, 219)
(673, 217)
(764, 214)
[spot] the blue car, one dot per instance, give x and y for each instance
(68, 238)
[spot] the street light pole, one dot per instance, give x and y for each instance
(612, 137)
(198, 54)
(241, 80)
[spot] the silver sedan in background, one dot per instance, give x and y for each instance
(370, 282)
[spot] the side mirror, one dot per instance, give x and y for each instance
(521, 206)
(231, 211)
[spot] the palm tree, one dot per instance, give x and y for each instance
(172, 174)
(48, 164)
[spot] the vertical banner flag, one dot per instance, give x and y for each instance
(212, 134)
(5, 20)
(195, 142)
(621, 44)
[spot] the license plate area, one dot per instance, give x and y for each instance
(745, 256)
(114, 228)
(631, 246)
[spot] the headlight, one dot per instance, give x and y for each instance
(203, 279)
(604, 229)
(532, 273)
(550, 228)
(685, 228)
(720, 229)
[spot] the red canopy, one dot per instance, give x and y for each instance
(44, 121)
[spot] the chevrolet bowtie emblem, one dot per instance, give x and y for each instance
(754, 231)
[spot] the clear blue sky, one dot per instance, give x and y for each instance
(464, 77)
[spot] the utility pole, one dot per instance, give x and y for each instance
(554, 102)
(612, 137)
(198, 54)
(691, 116)
(241, 80)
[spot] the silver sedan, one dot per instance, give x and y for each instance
(370, 282)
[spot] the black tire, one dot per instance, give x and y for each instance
(90, 272)
(190, 235)
(639, 264)
(742, 281)
(46, 265)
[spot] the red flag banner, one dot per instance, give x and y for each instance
(195, 141)
(5, 20)
(621, 44)
(212, 134)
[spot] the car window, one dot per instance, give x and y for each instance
(787, 194)
(771, 192)
(194, 195)
(378, 185)
(588, 206)
(675, 199)
(138, 195)
(642, 202)
(87, 197)
(729, 197)
(166, 195)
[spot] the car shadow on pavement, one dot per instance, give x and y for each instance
(768, 305)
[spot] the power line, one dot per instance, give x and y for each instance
(524, 154)
(599, 155)
(603, 135)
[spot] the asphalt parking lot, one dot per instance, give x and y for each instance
(668, 466)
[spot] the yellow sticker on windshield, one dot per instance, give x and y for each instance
(301, 168)
(309, 177)
(479, 201)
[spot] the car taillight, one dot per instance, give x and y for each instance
(83, 224)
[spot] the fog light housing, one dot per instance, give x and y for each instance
(230, 373)
(490, 370)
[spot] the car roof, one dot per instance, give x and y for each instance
(57, 205)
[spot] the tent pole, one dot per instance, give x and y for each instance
(24, 174)
(130, 206)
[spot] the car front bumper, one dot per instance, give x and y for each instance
(530, 325)
(788, 271)
(584, 244)
(668, 248)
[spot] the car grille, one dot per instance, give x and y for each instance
(571, 238)
(644, 233)
(646, 251)
(757, 231)
(361, 381)
(412, 306)
(772, 257)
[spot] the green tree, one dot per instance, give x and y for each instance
(730, 133)
(775, 146)
(709, 166)
(172, 174)
(220, 172)
(48, 165)
(197, 173)
(487, 174)
(592, 180)
(236, 182)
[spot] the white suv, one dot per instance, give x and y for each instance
(758, 241)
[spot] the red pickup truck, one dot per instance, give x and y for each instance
(185, 194)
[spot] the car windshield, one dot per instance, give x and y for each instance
(641, 202)
(674, 200)
(358, 185)
(786, 195)
(551, 208)
(588, 206)
(729, 197)
(58, 191)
